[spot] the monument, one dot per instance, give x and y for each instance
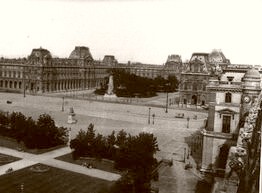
(71, 116)
(110, 89)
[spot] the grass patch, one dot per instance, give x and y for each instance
(6, 159)
(12, 144)
(53, 181)
(97, 163)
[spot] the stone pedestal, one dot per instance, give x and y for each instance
(71, 116)
(110, 96)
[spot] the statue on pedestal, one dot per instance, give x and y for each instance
(110, 89)
(71, 116)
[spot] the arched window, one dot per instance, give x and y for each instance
(228, 97)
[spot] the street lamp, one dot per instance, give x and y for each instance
(149, 115)
(153, 118)
(188, 122)
(167, 97)
(63, 103)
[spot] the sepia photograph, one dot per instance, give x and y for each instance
(130, 96)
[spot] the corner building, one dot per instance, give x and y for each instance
(230, 100)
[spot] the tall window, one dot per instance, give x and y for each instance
(185, 86)
(226, 123)
(228, 97)
(195, 86)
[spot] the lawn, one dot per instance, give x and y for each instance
(96, 163)
(52, 181)
(5, 159)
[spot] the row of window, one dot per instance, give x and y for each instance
(195, 86)
(12, 67)
(12, 74)
(10, 84)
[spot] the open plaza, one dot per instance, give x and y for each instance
(108, 116)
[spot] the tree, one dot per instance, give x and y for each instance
(99, 146)
(110, 142)
(76, 145)
(121, 138)
(30, 140)
(45, 131)
(4, 124)
(90, 134)
(173, 81)
(18, 125)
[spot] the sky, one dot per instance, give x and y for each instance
(144, 31)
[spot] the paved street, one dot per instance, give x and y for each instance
(170, 131)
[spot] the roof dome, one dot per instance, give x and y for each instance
(252, 73)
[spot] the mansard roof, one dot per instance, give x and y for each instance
(217, 56)
(40, 53)
(80, 52)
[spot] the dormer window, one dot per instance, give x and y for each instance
(230, 79)
(228, 97)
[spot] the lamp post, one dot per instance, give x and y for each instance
(149, 115)
(24, 89)
(153, 118)
(63, 104)
(184, 154)
(24, 80)
(167, 97)
(188, 122)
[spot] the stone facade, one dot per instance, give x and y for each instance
(195, 76)
(41, 73)
(231, 139)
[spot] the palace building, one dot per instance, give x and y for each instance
(195, 76)
(42, 73)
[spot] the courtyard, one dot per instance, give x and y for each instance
(107, 116)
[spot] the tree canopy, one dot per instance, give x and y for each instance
(131, 85)
(42, 133)
(132, 153)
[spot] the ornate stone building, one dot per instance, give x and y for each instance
(173, 66)
(41, 73)
(231, 139)
(195, 76)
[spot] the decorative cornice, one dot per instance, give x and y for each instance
(224, 89)
(218, 135)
